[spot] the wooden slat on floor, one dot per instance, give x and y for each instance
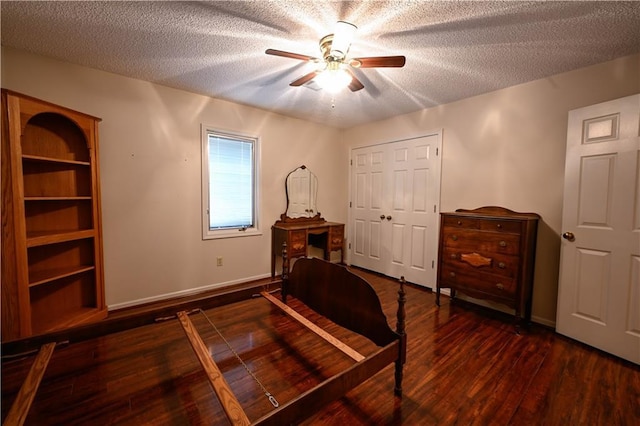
(22, 402)
(225, 395)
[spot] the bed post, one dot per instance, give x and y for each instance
(400, 329)
(285, 273)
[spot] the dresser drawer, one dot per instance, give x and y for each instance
(462, 278)
(497, 225)
(489, 242)
(494, 263)
(461, 222)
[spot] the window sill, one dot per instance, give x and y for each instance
(231, 233)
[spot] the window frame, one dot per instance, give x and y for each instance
(232, 232)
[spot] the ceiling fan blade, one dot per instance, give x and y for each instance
(290, 55)
(302, 80)
(378, 61)
(355, 84)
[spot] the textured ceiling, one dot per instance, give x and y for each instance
(454, 50)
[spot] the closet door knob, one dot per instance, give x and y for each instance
(381, 217)
(388, 217)
(569, 236)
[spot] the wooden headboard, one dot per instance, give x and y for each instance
(340, 295)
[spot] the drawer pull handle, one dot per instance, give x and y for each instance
(454, 256)
(499, 226)
(452, 274)
(454, 237)
(500, 286)
(502, 265)
(503, 243)
(459, 222)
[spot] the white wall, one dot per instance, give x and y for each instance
(507, 148)
(150, 175)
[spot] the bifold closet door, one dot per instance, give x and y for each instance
(394, 208)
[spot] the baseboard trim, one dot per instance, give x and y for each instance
(543, 321)
(184, 293)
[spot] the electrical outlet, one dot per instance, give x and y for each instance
(219, 261)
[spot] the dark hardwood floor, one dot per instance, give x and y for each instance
(464, 366)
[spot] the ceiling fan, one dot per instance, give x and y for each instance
(334, 71)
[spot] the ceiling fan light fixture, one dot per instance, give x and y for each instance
(342, 38)
(333, 79)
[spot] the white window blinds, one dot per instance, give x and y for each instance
(231, 182)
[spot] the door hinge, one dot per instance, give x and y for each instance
(433, 264)
(349, 246)
(349, 204)
(434, 208)
(437, 150)
(351, 162)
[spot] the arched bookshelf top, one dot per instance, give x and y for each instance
(55, 136)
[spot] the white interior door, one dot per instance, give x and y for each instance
(394, 209)
(599, 289)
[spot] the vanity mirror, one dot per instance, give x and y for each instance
(301, 188)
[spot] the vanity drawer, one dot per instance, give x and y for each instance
(297, 245)
(336, 237)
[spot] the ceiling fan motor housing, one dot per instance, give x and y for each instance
(325, 47)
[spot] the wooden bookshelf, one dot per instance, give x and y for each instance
(52, 276)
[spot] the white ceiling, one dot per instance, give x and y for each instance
(454, 50)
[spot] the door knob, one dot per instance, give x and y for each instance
(388, 217)
(381, 217)
(569, 236)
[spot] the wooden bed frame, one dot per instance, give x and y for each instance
(344, 298)
(333, 292)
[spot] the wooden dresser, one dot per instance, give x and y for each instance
(489, 253)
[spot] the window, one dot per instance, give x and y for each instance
(229, 170)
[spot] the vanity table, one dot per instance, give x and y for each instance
(301, 225)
